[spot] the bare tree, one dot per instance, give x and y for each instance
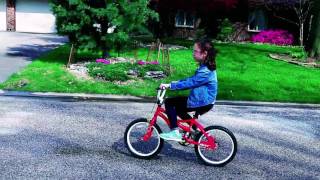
(300, 7)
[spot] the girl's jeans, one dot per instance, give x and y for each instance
(178, 106)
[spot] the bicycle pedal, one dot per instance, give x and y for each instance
(184, 143)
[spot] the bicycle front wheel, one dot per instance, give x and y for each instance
(135, 142)
(225, 150)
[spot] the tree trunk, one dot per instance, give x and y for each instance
(315, 46)
(301, 34)
(315, 50)
(71, 55)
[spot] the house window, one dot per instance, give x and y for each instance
(184, 19)
(257, 21)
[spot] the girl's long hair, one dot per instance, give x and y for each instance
(206, 44)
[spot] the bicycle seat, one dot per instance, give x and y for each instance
(196, 114)
(191, 114)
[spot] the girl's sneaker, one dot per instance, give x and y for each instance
(173, 135)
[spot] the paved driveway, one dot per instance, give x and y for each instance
(17, 50)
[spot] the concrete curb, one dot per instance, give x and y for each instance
(101, 97)
(76, 96)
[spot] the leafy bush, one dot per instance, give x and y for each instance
(112, 72)
(226, 30)
(278, 37)
(101, 25)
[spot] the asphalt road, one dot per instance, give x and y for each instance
(62, 139)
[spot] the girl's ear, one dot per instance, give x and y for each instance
(205, 53)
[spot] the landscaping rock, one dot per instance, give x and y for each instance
(120, 60)
(22, 83)
(79, 67)
(79, 70)
(134, 73)
(124, 82)
(116, 60)
(155, 74)
(174, 47)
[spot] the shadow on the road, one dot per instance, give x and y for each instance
(75, 150)
(30, 52)
(71, 149)
(167, 150)
(184, 154)
(120, 147)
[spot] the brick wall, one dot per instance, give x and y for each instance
(184, 33)
(11, 15)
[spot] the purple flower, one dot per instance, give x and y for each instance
(104, 61)
(153, 62)
(107, 62)
(100, 60)
(141, 62)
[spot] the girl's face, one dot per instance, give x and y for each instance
(197, 54)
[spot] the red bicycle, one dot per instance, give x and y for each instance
(214, 145)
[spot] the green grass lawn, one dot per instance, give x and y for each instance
(245, 72)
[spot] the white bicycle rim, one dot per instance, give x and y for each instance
(133, 149)
(216, 162)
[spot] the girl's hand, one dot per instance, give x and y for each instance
(164, 86)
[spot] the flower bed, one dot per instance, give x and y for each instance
(278, 37)
(113, 70)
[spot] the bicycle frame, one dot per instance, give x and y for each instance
(160, 112)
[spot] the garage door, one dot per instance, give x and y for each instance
(34, 16)
(3, 21)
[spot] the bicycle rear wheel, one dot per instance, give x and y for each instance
(226, 146)
(138, 147)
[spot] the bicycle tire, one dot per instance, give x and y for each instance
(230, 155)
(130, 146)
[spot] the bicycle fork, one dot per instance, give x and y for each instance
(148, 134)
(210, 144)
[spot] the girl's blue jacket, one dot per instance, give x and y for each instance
(203, 85)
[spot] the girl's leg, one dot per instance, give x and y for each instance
(174, 106)
(201, 110)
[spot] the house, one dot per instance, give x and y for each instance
(184, 18)
(32, 16)
(181, 18)
(178, 18)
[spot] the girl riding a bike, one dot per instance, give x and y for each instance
(203, 85)
(213, 145)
